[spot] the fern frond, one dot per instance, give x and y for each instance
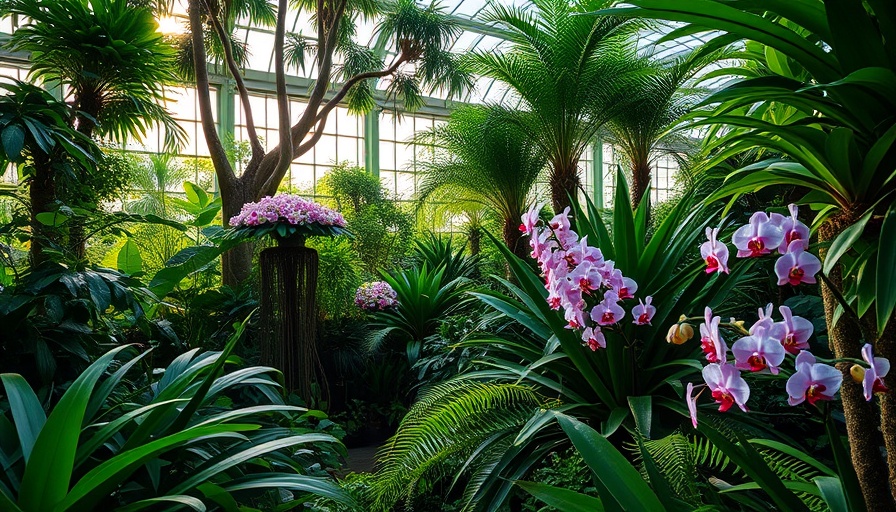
(450, 422)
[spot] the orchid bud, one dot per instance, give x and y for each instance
(680, 333)
(682, 318)
(858, 373)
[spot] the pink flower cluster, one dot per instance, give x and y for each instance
(765, 234)
(576, 273)
(376, 296)
(764, 350)
(286, 208)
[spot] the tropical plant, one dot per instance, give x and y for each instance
(37, 137)
(382, 231)
(566, 69)
(425, 297)
(482, 158)
(55, 314)
(173, 437)
(438, 250)
(831, 66)
(635, 377)
(110, 56)
(418, 35)
(660, 93)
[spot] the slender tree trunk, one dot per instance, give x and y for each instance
(641, 179)
(513, 238)
(565, 183)
(861, 419)
(42, 192)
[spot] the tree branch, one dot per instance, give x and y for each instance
(282, 99)
(269, 187)
(257, 148)
(218, 155)
(331, 104)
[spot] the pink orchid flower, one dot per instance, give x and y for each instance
(879, 367)
(758, 237)
(727, 386)
(691, 400)
(530, 219)
(812, 381)
(594, 338)
(711, 341)
(758, 352)
(793, 230)
(765, 319)
(797, 266)
(794, 331)
(714, 253)
(560, 222)
(644, 311)
(574, 314)
(586, 277)
(608, 312)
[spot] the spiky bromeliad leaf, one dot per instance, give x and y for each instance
(450, 422)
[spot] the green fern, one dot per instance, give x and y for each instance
(443, 430)
(686, 461)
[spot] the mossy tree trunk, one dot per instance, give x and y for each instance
(862, 421)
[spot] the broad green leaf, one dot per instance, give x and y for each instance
(753, 464)
(195, 194)
(561, 499)
(187, 501)
(832, 492)
(886, 270)
(26, 409)
(845, 470)
(129, 259)
(48, 473)
(844, 242)
(99, 482)
(53, 219)
(13, 139)
(611, 468)
(642, 410)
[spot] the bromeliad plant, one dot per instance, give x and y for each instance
(169, 437)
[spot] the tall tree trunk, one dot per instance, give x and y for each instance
(640, 182)
(236, 264)
(513, 238)
(861, 419)
(565, 183)
(474, 234)
(886, 347)
(42, 192)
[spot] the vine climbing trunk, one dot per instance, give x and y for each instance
(862, 421)
(288, 314)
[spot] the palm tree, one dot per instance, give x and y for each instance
(36, 134)
(114, 64)
(110, 57)
(482, 159)
(645, 127)
(566, 71)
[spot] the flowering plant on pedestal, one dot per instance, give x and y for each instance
(287, 217)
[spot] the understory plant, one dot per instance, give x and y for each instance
(205, 433)
(623, 374)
